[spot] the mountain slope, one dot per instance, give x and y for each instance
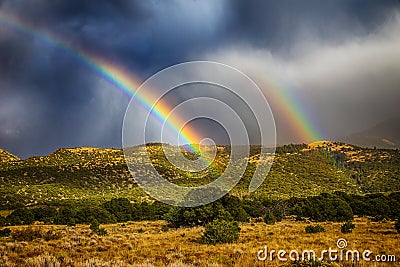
(94, 174)
(383, 135)
(7, 156)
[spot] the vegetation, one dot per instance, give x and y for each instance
(32, 233)
(5, 232)
(269, 218)
(95, 227)
(324, 182)
(221, 231)
(312, 229)
(87, 176)
(347, 227)
(126, 246)
(337, 207)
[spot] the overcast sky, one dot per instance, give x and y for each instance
(340, 58)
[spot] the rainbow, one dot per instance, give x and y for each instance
(295, 114)
(128, 83)
(120, 78)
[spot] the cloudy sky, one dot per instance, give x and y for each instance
(339, 62)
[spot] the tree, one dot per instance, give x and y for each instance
(21, 217)
(121, 208)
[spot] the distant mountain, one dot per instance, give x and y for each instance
(383, 135)
(7, 156)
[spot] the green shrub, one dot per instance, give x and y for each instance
(269, 218)
(278, 215)
(312, 229)
(347, 227)
(221, 231)
(95, 227)
(5, 232)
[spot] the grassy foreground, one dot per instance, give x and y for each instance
(152, 244)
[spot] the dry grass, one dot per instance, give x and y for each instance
(145, 244)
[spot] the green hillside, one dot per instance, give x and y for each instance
(93, 174)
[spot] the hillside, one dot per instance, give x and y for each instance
(7, 156)
(383, 135)
(94, 174)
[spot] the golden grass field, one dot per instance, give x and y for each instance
(145, 244)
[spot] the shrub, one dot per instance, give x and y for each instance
(95, 227)
(312, 229)
(269, 218)
(27, 234)
(221, 231)
(347, 227)
(5, 232)
(278, 215)
(51, 235)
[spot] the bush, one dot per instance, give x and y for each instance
(278, 215)
(95, 227)
(312, 229)
(347, 227)
(221, 231)
(27, 234)
(51, 235)
(5, 232)
(269, 218)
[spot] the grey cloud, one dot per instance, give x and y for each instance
(349, 86)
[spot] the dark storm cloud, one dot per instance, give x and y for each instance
(49, 99)
(57, 101)
(349, 85)
(277, 24)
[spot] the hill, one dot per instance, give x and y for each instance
(7, 156)
(93, 174)
(383, 135)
